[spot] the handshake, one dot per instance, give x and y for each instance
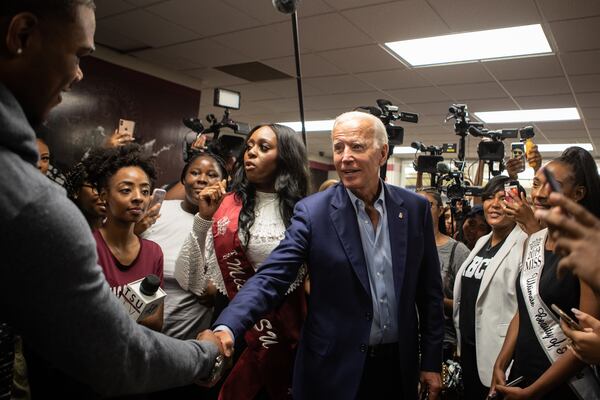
(224, 342)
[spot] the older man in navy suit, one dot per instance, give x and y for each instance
(375, 323)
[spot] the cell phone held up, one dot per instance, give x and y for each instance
(511, 187)
(565, 317)
(158, 195)
(126, 127)
(518, 151)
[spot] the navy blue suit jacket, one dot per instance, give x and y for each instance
(324, 234)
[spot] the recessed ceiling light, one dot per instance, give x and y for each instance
(518, 41)
(311, 126)
(559, 147)
(539, 115)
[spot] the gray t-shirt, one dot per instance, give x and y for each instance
(450, 264)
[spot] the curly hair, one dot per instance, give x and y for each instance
(105, 162)
(585, 173)
(291, 182)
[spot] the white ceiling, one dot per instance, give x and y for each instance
(343, 65)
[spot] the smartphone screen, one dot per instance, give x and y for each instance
(158, 195)
(126, 127)
(565, 317)
(518, 151)
(511, 187)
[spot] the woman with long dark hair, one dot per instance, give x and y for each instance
(233, 234)
(535, 343)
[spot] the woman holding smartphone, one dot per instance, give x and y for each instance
(123, 176)
(233, 234)
(534, 340)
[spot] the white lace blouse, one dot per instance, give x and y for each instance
(197, 265)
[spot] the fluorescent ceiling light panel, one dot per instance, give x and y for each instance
(517, 41)
(559, 147)
(539, 115)
(311, 126)
(404, 150)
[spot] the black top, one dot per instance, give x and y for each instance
(530, 359)
(470, 283)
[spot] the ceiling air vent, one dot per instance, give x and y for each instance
(253, 72)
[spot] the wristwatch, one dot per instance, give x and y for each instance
(216, 372)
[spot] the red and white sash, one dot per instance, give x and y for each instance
(268, 360)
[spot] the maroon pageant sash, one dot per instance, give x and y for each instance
(268, 360)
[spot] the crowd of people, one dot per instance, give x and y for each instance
(362, 290)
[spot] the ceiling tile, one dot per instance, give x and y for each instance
(525, 68)
(143, 3)
(147, 28)
(329, 31)
(589, 99)
(348, 101)
(561, 125)
(554, 101)
(339, 84)
(454, 74)
(362, 59)
(499, 104)
(554, 10)
(260, 10)
(109, 7)
(311, 65)
(261, 43)
(200, 16)
(252, 92)
(583, 62)
(418, 95)
(591, 112)
(398, 21)
(577, 34)
(395, 79)
(563, 135)
(438, 109)
(286, 88)
(344, 4)
(489, 90)
(586, 83)
(473, 15)
(116, 41)
(537, 87)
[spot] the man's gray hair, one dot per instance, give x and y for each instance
(43, 8)
(377, 128)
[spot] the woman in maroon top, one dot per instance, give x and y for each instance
(124, 177)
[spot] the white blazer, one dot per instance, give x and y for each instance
(496, 302)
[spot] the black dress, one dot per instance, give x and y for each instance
(530, 360)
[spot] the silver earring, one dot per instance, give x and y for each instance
(19, 51)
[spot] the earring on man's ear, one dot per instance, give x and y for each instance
(19, 51)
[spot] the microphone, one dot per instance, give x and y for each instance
(286, 6)
(142, 298)
(443, 168)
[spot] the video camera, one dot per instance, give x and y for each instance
(227, 99)
(428, 162)
(388, 113)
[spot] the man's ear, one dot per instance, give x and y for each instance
(20, 29)
(384, 154)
